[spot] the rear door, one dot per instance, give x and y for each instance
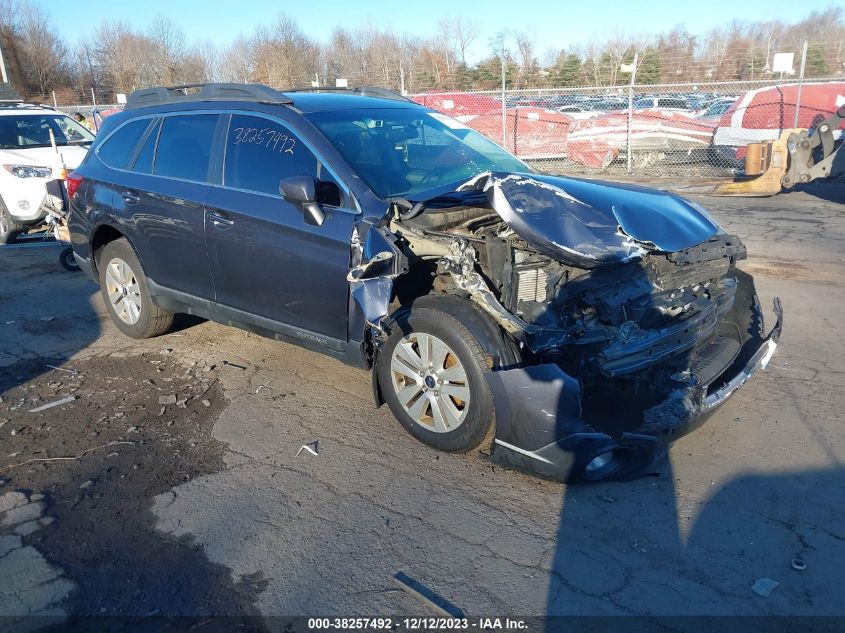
(169, 179)
(268, 265)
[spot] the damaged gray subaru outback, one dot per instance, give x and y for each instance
(575, 327)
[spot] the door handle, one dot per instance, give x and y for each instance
(218, 219)
(130, 197)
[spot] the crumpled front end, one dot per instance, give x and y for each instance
(632, 320)
(627, 354)
(543, 424)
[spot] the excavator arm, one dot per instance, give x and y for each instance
(798, 156)
(803, 146)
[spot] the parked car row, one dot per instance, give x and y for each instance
(680, 128)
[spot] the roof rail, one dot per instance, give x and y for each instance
(160, 95)
(364, 91)
(22, 105)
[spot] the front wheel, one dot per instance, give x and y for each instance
(9, 229)
(431, 372)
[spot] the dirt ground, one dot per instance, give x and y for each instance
(173, 484)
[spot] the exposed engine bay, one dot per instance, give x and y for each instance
(629, 320)
(630, 331)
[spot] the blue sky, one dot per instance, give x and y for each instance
(555, 23)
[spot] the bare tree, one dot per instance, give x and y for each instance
(237, 62)
(116, 56)
(167, 51)
(528, 65)
(43, 50)
(459, 34)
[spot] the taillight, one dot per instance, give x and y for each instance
(73, 182)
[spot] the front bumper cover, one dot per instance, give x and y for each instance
(539, 424)
(33, 193)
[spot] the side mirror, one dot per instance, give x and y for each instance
(302, 192)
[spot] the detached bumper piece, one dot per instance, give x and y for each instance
(540, 428)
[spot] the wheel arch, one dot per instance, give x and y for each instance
(104, 234)
(501, 349)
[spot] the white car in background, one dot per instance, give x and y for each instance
(29, 160)
(578, 112)
(663, 104)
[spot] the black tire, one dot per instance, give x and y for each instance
(67, 260)
(9, 229)
(447, 319)
(152, 320)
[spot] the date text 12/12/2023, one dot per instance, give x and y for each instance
(418, 624)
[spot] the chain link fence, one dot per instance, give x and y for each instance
(669, 130)
(678, 130)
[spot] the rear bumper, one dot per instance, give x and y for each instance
(539, 424)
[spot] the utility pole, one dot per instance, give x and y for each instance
(504, 106)
(631, 107)
(3, 67)
(800, 83)
(752, 62)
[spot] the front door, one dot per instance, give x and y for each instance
(266, 261)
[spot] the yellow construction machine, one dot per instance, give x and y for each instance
(797, 157)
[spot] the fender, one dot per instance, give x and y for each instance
(502, 351)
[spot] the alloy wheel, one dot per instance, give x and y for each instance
(123, 291)
(430, 382)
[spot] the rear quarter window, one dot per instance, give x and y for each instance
(144, 162)
(184, 146)
(117, 150)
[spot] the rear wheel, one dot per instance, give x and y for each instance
(9, 229)
(431, 372)
(126, 293)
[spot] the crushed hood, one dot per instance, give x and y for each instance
(591, 224)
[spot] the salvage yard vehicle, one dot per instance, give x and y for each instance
(34, 143)
(580, 325)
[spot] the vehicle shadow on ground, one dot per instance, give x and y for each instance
(640, 548)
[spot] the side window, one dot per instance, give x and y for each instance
(144, 162)
(119, 147)
(184, 146)
(260, 152)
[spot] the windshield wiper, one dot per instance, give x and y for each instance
(455, 198)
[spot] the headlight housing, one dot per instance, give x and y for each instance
(29, 171)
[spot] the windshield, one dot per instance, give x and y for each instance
(403, 152)
(33, 130)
